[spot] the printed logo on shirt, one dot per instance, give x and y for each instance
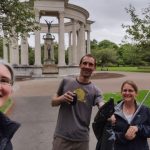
(80, 94)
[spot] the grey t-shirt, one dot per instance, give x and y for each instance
(73, 120)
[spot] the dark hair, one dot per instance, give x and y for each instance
(8, 66)
(88, 55)
(130, 83)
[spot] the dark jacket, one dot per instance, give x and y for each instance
(141, 120)
(7, 130)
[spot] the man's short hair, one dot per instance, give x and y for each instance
(88, 55)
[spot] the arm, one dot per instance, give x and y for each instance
(100, 104)
(66, 97)
(57, 100)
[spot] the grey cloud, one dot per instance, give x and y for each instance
(109, 15)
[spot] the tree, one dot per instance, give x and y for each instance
(105, 57)
(129, 55)
(17, 17)
(139, 31)
(94, 44)
(107, 44)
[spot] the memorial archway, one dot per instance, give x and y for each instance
(78, 29)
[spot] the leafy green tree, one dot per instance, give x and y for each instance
(106, 57)
(94, 44)
(104, 52)
(139, 31)
(18, 17)
(130, 55)
(107, 44)
(120, 52)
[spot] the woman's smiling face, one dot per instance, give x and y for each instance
(128, 92)
(5, 84)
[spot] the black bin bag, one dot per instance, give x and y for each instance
(103, 128)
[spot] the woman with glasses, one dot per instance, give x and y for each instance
(7, 126)
(131, 131)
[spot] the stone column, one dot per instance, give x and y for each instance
(74, 43)
(24, 50)
(69, 50)
(37, 42)
(14, 50)
(37, 49)
(88, 43)
(82, 38)
(78, 45)
(61, 47)
(5, 50)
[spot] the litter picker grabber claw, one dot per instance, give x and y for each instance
(141, 104)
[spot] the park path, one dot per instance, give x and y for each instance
(38, 119)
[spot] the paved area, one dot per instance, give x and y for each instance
(32, 109)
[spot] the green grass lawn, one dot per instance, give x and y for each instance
(140, 97)
(126, 69)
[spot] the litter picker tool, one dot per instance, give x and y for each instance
(141, 104)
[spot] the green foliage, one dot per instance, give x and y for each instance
(94, 44)
(106, 56)
(17, 17)
(31, 56)
(146, 57)
(131, 57)
(108, 53)
(139, 31)
(107, 44)
(104, 52)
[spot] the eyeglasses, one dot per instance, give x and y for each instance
(127, 90)
(5, 81)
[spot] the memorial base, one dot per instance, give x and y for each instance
(50, 69)
(49, 62)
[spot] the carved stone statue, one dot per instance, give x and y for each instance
(49, 25)
(49, 51)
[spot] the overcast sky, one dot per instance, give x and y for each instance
(109, 15)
